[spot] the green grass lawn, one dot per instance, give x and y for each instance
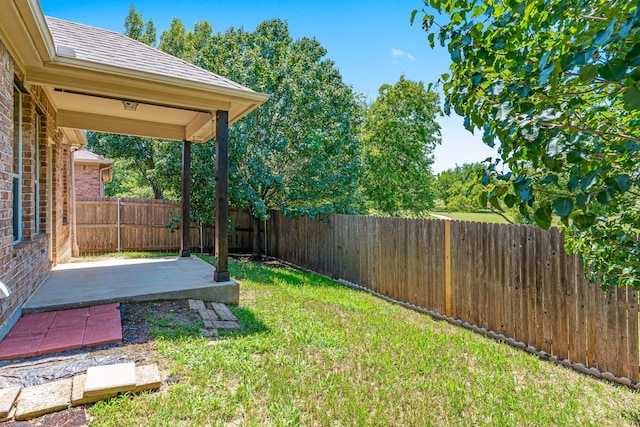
(482, 216)
(312, 352)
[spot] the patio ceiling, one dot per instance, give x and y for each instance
(102, 81)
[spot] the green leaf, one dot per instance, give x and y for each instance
(482, 199)
(549, 179)
(542, 216)
(590, 179)
(621, 183)
(562, 206)
(603, 36)
(455, 55)
(510, 200)
(575, 156)
(495, 203)
(582, 200)
(526, 194)
(624, 182)
(573, 183)
(633, 56)
(503, 111)
(588, 72)
(632, 97)
(501, 190)
(544, 75)
(522, 208)
(604, 197)
(583, 220)
(413, 15)
(613, 70)
(555, 146)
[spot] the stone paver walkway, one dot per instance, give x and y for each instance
(96, 384)
(43, 333)
(219, 317)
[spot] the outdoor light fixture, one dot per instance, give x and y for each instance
(130, 105)
(4, 291)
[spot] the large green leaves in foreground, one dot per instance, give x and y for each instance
(557, 84)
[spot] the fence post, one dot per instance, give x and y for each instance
(119, 227)
(447, 267)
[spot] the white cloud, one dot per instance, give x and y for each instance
(397, 53)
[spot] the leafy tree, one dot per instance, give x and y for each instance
(399, 134)
(135, 29)
(140, 157)
(458, 188)
(557, 84)
(298, 152)
(126, 184)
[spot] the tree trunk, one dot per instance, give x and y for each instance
(256, 254)
(158, 194)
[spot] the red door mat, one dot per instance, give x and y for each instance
(43, 333)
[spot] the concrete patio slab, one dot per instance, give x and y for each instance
(100, 282)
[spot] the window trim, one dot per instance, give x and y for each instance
(36, 181)
(17, 147)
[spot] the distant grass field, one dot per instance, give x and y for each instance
(482, 216)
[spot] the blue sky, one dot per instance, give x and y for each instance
(371, 42)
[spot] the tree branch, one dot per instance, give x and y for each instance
(590, 131)
(501, 214)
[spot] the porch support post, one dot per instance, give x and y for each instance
(186, 193)
(222, 196)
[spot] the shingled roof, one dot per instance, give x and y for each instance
(109, 48)
(85, 156)
(103, 81)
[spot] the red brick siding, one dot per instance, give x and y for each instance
(87, 180)
(23, 266)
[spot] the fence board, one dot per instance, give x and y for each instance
(144, 226)
(632, 331)
(515, 280)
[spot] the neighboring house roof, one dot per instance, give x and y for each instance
(85, 156)
(109, 48)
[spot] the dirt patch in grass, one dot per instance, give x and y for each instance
(142, 321)
(74, 417)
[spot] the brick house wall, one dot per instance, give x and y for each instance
(45, 199)
(87, 180)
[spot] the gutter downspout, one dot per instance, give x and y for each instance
(101, 180)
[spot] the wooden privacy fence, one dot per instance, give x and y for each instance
(109, 224)
(514, 280)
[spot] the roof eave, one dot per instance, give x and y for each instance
(105, 162)
(243, 94)
(37, 25)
